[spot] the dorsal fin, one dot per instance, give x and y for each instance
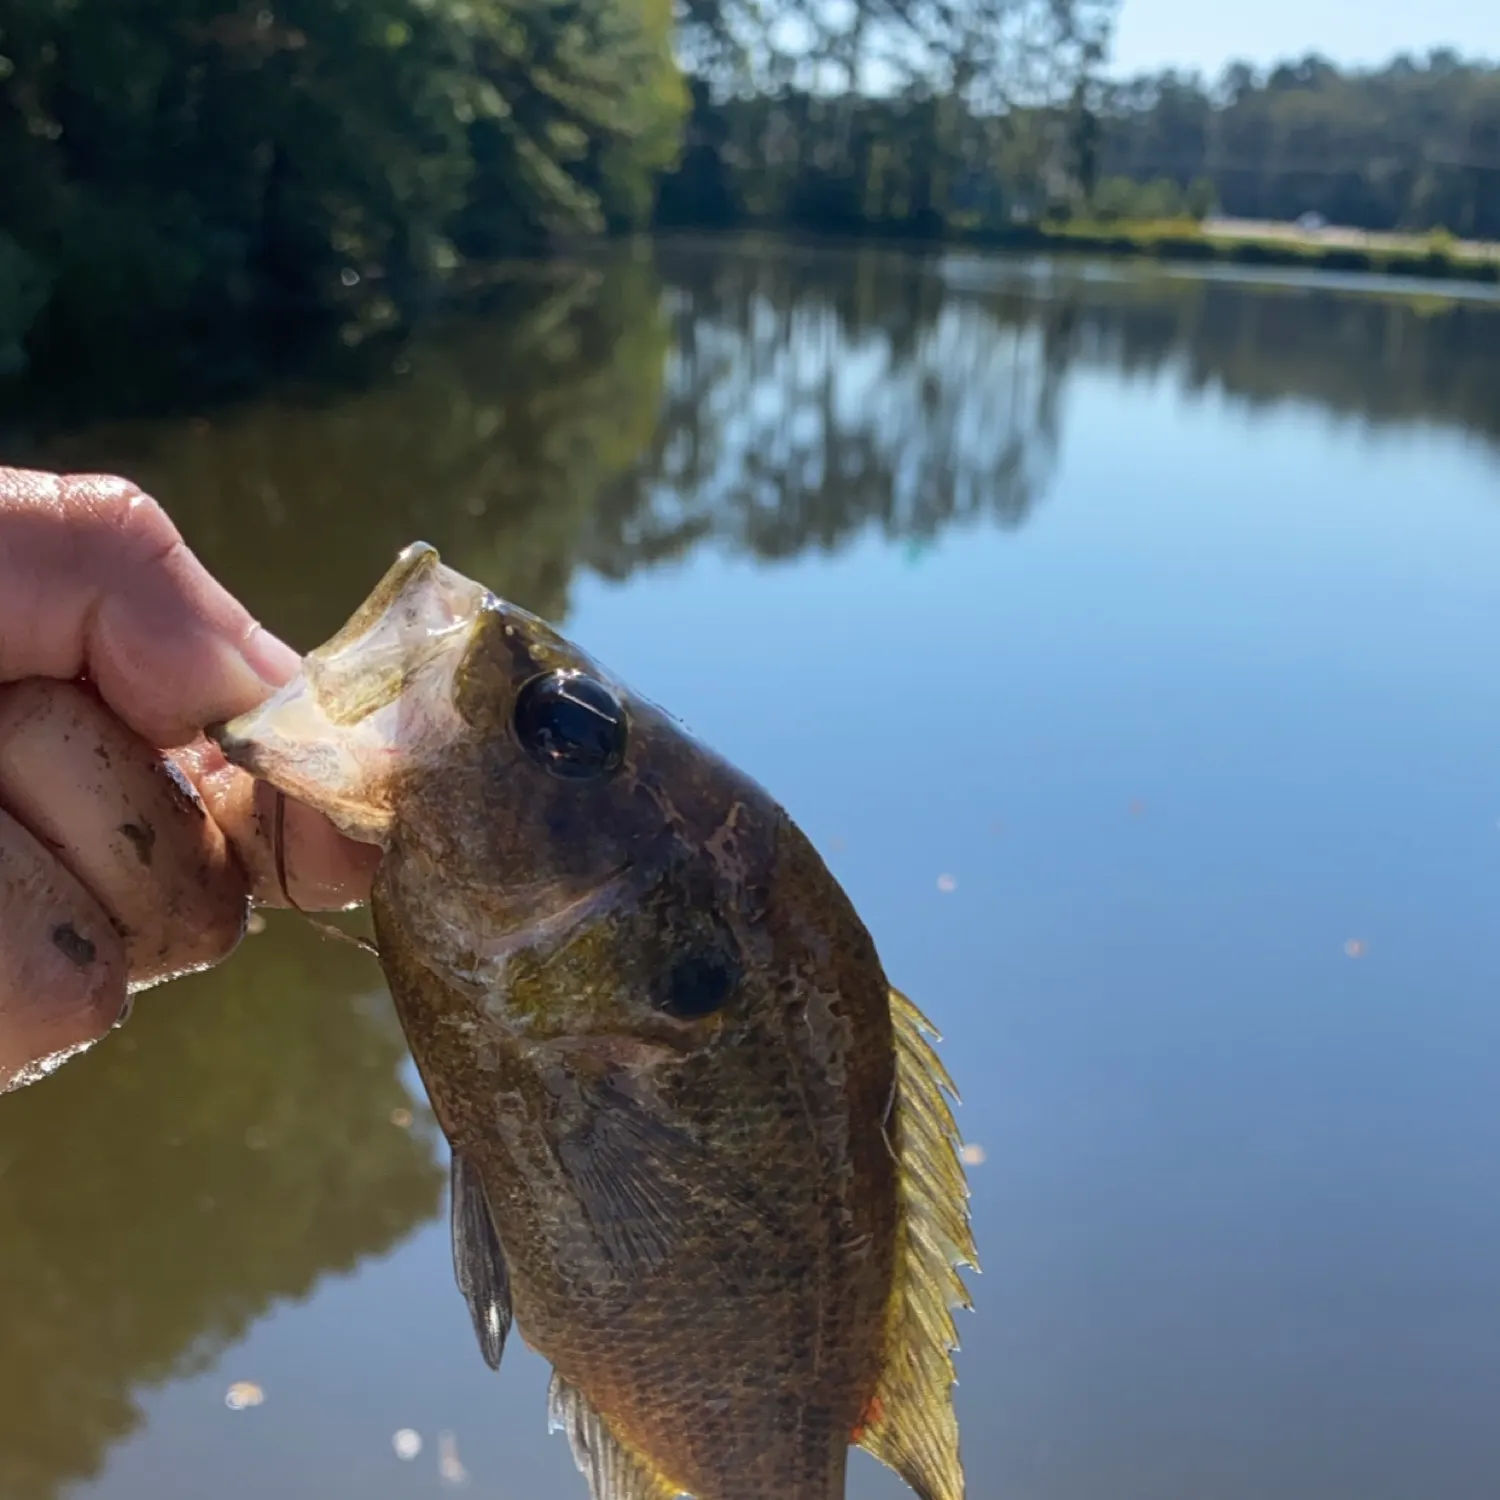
(909, 1424)
(613, 1471)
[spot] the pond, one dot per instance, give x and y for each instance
(1127, 643)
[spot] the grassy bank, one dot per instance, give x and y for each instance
(1433, 257)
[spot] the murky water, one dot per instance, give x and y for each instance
(1127, 642)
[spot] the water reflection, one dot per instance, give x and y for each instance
(226, 1150)
(806, 405)
(489, 438)
(616, 414)
(1382, 360)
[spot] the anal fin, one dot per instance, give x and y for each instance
(479, 1261)
(909, 1424)
(613, 1471)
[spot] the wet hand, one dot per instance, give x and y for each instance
(128, 847)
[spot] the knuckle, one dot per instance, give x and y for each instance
(135, 525)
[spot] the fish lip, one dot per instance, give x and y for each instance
(375, 696)
(410, 620)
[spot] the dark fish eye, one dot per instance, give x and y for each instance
(571, 725)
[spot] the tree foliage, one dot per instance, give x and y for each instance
(1412, 145)
(175, 159)
(183, 164)
(888, 115)
(190, 166)
(981, 133)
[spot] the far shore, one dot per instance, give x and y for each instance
(1435, 256)
(1409, 243)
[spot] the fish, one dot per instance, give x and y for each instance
(704, 1154)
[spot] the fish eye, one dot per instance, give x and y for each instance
(571, 725)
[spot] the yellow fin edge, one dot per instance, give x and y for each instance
(910, 1424)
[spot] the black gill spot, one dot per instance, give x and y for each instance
(73, 945)
(142, 837)
(697, 984)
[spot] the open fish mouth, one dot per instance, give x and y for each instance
(369, 702)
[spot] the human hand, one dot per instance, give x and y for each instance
(129, 848)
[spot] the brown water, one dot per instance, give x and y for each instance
(1155, 614)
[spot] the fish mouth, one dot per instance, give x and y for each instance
(370, 702)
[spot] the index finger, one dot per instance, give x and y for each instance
(96, 581)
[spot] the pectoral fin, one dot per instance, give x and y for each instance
(909, 1424)
(612, 1470)
(479, 1261)
(626, 1168)
(634, 1176)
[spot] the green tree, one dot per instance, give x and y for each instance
(171, 161)
(1410, 145)
(985, 106)
(1201, 197)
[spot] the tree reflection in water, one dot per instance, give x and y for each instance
(806, 404)
(616, 413)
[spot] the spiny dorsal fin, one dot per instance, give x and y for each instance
(612, 1470)
(910, 1425)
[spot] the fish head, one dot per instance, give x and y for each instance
(522, 795)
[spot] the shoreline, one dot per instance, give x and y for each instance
(1417, 258)
(1423, 258)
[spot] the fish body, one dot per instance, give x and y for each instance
(702, 1152)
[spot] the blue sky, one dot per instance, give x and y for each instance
(1151, 34)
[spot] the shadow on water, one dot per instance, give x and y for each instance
(225, 1151)
(234, 1144)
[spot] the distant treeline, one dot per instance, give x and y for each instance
(1412, 145)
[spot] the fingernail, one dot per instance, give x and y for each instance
(272, 660)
